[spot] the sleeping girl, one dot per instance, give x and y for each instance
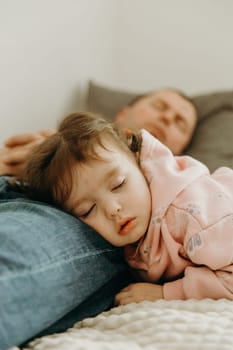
(173, 218)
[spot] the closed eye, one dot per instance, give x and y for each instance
(119, 185)
(159, 105)
(181, 123)
(86, 214)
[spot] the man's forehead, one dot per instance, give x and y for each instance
(173, 96)
(168, 94)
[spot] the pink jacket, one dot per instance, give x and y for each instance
(189, 244)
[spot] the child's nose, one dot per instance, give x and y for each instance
(113, 209)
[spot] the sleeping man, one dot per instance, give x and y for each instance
(47, 281)
(160, 112)
(167, 114)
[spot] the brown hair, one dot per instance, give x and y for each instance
(49, 171)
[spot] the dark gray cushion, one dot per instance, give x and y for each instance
(212, 142)
(105, 100)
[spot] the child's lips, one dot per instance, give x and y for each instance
(126, 225)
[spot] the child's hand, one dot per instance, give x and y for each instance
(137, 292)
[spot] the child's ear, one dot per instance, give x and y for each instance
(135, 143)
(127, 132)
(133, 140)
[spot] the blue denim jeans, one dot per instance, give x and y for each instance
(54, 270)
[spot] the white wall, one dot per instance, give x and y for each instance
(182, 43)
(50, 48)
(48, 51)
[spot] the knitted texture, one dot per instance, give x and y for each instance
(160, 325)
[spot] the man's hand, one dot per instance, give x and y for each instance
(14, 154)
(137, 292)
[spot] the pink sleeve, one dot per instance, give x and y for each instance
(199, 283)
(213, 246)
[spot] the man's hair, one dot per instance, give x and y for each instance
(49, 172)
(177, 91)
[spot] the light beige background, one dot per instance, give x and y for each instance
(49, 49)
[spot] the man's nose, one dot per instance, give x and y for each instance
(167, 117)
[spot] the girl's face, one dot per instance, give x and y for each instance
(112, 196)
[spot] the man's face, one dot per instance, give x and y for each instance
(165, 114)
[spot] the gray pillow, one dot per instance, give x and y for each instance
(212, 141)
(107, 101)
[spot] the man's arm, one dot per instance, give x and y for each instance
(16, 149)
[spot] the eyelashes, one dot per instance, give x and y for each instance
(85, 215)
(119, 185)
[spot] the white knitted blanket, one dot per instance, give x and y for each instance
(160, 325)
